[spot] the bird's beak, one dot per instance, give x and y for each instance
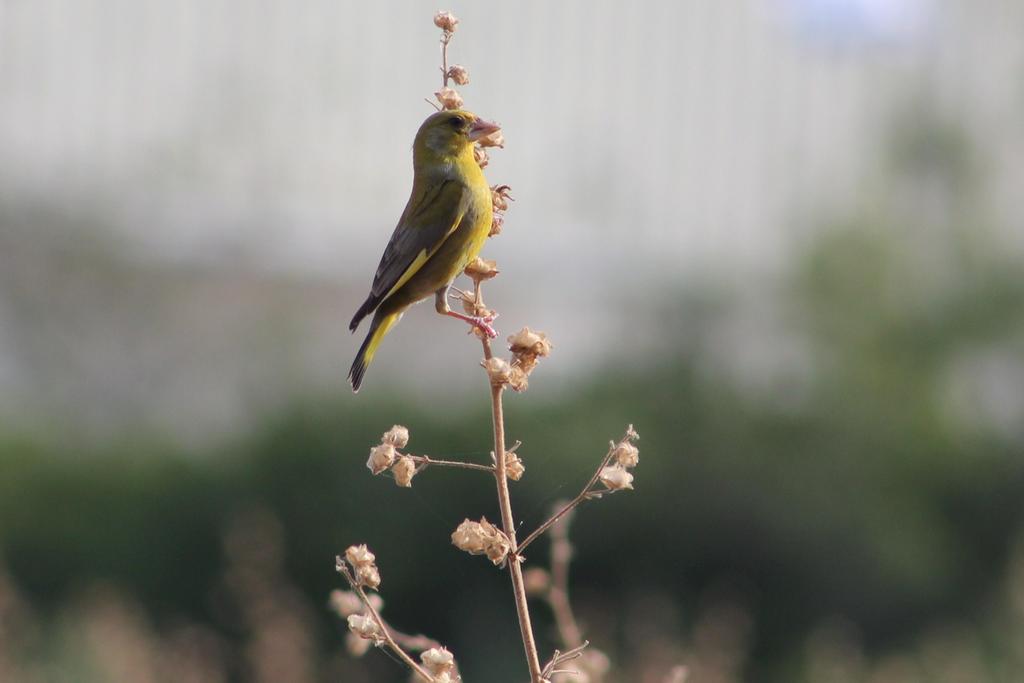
(481, 129)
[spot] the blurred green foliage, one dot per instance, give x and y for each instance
(864, 498)
(861, 489)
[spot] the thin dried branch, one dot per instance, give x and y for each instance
(421, 643)
(386, 635)
(446, 38)
(508, 521)
(588, 492)
(560, 658)
(425, 460)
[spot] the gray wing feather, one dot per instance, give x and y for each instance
(416, 233)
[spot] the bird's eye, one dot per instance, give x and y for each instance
(456, 122)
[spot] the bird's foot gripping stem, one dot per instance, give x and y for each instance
(482, 323)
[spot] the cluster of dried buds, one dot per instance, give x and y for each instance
(446, 21)
(365, 625)
(440, 663)
(387, 456)
(623, 457)
(527, 347)
(363, 629)
(481, 270)
(499, 204)
(449, 97)
(514, 467)
(482, 538)
(359, 569)
(363, 567)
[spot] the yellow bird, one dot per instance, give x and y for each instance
(442, 229)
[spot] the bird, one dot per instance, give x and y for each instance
(443, 227)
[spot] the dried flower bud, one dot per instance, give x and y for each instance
(344, 603)
(482, 538)
(356, 645)
(518, 379)
(616, 478)
(468, 301)
(480, 156)
(438, 660)
(626, 454)
(497, 223)
(495, 139)
(500, 197)
(514, 468)
(404, 470)
(358, 555)
(365, 627)
(470, 536)
(537, 581)
(481, 269)
(498, 370)
(498, 550)
(368, 575)
(631, 434)
(529, 342)
(525, 360)
(459, 74)
(397, 436)
(450, 99)
(381, 458)
(446, 21)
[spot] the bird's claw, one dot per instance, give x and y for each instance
(484, 325)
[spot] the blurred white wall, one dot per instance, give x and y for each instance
(282, 130)
(670, 139)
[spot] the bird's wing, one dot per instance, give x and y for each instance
(425, 224)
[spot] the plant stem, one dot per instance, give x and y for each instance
(444, 57)
(385, 631)
(418, 643)
(508, 525)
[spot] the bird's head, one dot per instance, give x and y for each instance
(450, 134)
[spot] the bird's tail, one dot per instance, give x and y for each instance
(364, 310)
(378, 328)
